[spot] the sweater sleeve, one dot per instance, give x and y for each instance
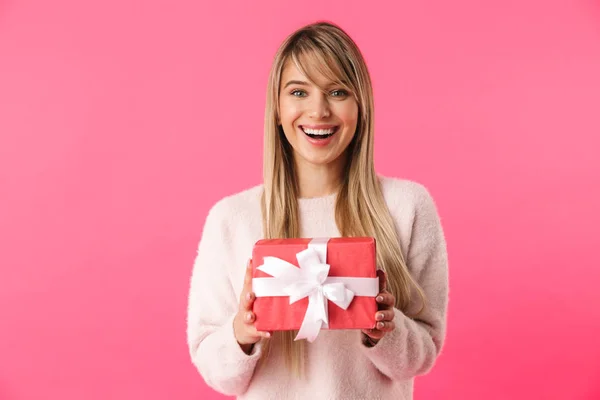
(212, 306)
(411, 349)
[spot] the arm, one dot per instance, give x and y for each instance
(212, 306)
(413, 346)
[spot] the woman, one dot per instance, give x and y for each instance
(319, 181)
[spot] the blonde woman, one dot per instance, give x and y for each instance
(319, 181)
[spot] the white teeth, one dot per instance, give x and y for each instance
(318, 131)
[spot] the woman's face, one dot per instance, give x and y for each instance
(318, 125)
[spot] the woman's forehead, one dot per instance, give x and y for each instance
(310, 71)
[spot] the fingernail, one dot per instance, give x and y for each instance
(379, 325)
(379, 317)
(379, 299)
(267, 334)
(248, 316)
(248, 296)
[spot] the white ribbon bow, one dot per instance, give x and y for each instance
(311, 280)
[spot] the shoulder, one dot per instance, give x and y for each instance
(405, 196)
(237, 207)
(415, 213)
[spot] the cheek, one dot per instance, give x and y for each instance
(349, 114)
(289, 112)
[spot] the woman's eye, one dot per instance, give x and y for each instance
(298, 93)
(339, 93)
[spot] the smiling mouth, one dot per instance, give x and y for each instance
(319, 133)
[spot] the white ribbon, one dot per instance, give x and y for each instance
(311, 280)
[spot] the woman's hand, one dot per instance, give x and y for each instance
(385, 313)
(243, 323)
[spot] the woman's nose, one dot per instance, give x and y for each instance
(319, 107)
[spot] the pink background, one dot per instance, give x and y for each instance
(122, 122)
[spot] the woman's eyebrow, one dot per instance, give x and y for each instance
(295, 83)
(303, 83)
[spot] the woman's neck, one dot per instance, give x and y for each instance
(318, 180)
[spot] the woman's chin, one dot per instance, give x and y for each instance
(319, 160)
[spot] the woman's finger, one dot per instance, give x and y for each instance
(385, 299)
(385, 326)
(249, 318)
(248, 300)
(246, 295)
(384, 315)
(248, 276)
(382, 280)
(264, 334)
(374, 334)
(257, 333)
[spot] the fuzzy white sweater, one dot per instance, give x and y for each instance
(339, 365)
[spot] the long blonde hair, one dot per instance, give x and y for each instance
(360, 208)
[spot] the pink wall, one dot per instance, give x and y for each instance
(122, 122)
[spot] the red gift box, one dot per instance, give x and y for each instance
(349, 260)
